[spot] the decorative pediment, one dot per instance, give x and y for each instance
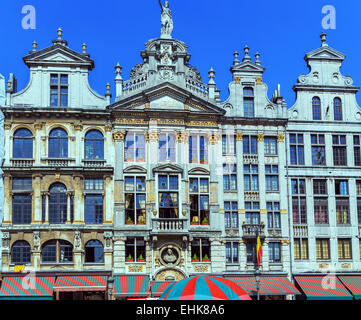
(135, 169)
(58, 54)
(248, 66)
(199, 171)
(325, 53)
(168, 168)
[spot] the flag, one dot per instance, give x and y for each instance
(19, 268)
(259, 250)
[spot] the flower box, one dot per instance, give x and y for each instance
(140, 260)
(129, 260)
(197, 260)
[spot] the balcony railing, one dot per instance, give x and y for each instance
(251, 195)
(166, 225)
(251, 230)
(250, 159)
(93, 163)
(59, 162)
(300, 231)
(22, 162)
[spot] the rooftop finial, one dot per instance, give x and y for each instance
(236, 61)
(167, 21)
(84, 47)
(211, 76)
(34, 45)
(323, 39)
(246, 56)
(60, 33)
(257, 55)
(118, 69)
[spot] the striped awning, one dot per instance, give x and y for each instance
(26, 286)
(158, 287)
(131, 285)
(81, 283)
(352, 283)
(323, 287)
(268, 285)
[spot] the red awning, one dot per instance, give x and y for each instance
(81, 283)
(158, 287)
(131, 285)
(320, 287)
(269, 285)
(27, 286)
(353, 283)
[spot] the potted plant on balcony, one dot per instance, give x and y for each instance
(141, 259)
(141, 220)
(195, 258)
(203, 160)
(194, 221)
(129, 221)
(205, 222)
(206, 258)
(129, 258)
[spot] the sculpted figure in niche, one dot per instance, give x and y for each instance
(169, 256)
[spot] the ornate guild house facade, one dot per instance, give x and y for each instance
(113, 199)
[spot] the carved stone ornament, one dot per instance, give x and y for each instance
(239, 136)
(169, 275)
(169, 255)
(77, 239)
(260, 137)
(135, 268)
(280, 137)
(6, 240)
(201, 267)
(108, 237)
(36, 240)
(119, 136)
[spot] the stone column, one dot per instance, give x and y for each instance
(37, 200)
(108, 200)
(108, 250)
(68, 207)
(78, 199)
(46, 194)
(242, 254)
(5, 252)
(7, 199)
(240, 184)
(78, 252)
(261, 173)
(36, 252)
(119, 255)
(218, 257)
(118, 217)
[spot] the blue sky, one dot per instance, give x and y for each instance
(116, 31)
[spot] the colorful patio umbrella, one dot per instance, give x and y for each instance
(205, 288)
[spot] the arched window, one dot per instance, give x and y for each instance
(23, 144)
(58, 144)
(20, 253)
(57, 204)
(337, 109)
(94, 145)
(94, 251)
(248, 102)
(57, 251)
(316, 108)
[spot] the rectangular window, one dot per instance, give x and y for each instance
(250, 144)
(344, 249)
(357, 150)
(323, 249)
(200, 250)
(339, 150)
(342, 211)
(358, 194)
(135, 192)
(231, 215)
(271, 178)
(167, 147)
(301, 248)
(21, 208)
(232, 252)
(168, 196)
(58, 90)
(297, 156)
(134, 147)
(273, 215)
(198, 149)
(270, 145)
(274, 249)
(251, 252)
(318, 149)
(199, 198)
(250, 177)
(299, 211)
(22, 184)
(321, 210)
(135, 250)
(93, 184)
(228, 144)
(320, 187)
(93, 209)
(229, 177)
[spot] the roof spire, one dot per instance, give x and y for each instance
(236, 61)
(246, 56)
(60, 33)
(34, 46)
(84, 47)
(323, 39)
(257, 55)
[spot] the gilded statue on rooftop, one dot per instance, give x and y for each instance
(167, 21)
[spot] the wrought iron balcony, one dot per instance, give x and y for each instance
(168, 225)
(250, 230)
